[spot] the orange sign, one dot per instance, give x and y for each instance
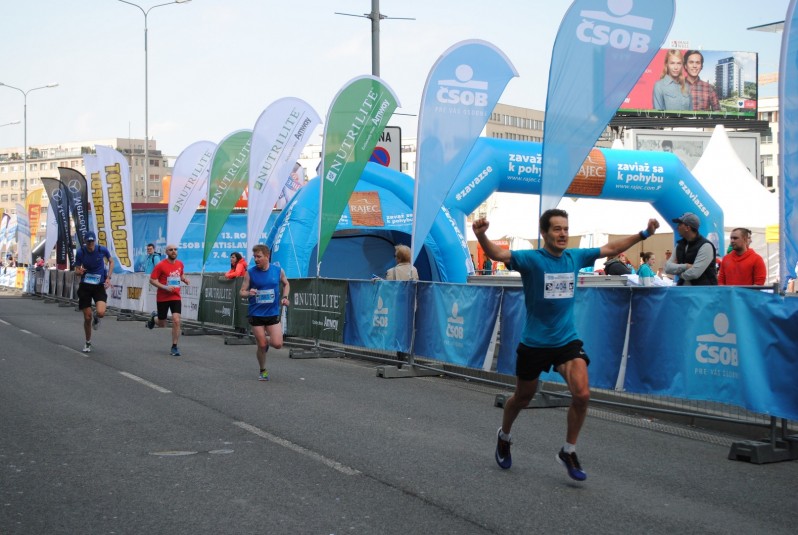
(365, 209)
(589, 181)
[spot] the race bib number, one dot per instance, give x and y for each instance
(558, 286)
(92, 278)
(173, 280)
(265, 296)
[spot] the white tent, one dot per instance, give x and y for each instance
(745, 202)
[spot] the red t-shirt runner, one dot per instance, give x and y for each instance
(169, 274)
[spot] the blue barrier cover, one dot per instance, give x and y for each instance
(380, 314)
(455, 322)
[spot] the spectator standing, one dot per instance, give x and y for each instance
(238, 266)
(694, 260)
(167, 276)
(742, 266)
(90, 262)
(646, 274)
(147, 262)
(404, 270)
(263, 284)
(549, 338)
(487, 266)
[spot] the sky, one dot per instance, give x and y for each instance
(215, 65)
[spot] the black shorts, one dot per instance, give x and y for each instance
(166, 306)
(89, 292)
(263, 321)
(532, 361)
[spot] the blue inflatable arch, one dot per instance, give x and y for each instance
(494, 165)
(361, 251)
(658, 178)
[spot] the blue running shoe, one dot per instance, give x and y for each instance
(264, 375)
(571, 463)
(503, 457)
(175, 352)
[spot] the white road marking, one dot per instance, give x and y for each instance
(24, 331)
(72, 349)
(335, 465)
(145, 382)
(4, 322)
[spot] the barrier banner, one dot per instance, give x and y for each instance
(454, 322)
(318, 309)
(380, 314)
(597, 58)
(716, 347)
(788, 143)
(461, 90)
(356, 118)
(217, 303)
(603, 333)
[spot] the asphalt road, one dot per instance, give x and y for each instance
(130, 440)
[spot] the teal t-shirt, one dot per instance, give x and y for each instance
(549, 285)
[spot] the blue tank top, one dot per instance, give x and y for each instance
(267, 283)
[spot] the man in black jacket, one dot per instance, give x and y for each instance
(694, 258)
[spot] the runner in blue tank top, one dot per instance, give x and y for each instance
(549, 339)
(262, 284)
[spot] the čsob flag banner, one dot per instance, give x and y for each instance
(119, 213)
(279, 135)
(788, 143)
(355, 121)
(600, 52)
(95, 181)
(188, 187)
(229, 175)
(77, 192)
(461, 91)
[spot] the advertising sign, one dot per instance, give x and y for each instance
(708, 83)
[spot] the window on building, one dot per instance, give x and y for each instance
(13, 183)
(2, 169)
(33, 167)
(3, 198)
(14, 197)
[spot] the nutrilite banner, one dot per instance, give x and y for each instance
(600, 52)
(279, 136)
(228, 179)
(355, 120)
(188, 187)
(318, 309)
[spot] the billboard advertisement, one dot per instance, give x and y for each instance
(697, 83)
(690, 146)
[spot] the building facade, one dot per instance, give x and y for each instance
(45, 159)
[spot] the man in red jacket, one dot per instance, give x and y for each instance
(742, 266)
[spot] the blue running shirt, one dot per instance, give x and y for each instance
(549, 285)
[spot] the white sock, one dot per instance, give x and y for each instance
(503, 436)
(569, 448)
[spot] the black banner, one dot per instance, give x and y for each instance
(58, 200)
(77, 191)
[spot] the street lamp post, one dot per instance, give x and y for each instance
(146, 93)
(25, 128)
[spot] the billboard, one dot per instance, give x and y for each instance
(690, 146)
(696, 83)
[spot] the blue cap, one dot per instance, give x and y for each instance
(90, 236)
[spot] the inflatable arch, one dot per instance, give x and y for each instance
(659, 178)
(379, 215)
(362, 247)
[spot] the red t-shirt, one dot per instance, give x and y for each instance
(169, 274)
